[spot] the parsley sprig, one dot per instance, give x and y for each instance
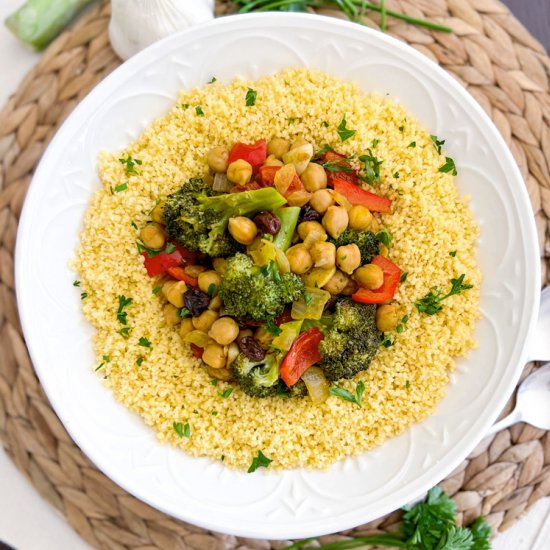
(429, 525)
(371, 173)
(123, 303)
(431, 303)
(130, 165)
(347, 395)
(250, 98)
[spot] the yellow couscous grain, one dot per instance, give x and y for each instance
(166, 386)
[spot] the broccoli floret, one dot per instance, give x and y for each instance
(257, 379)
(352, 341)
(367, 241)
(197, 217)
(252, 292)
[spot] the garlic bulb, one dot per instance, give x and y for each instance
(137, 23)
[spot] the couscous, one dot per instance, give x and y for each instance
(147, 313)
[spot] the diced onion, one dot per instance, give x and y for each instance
(198, 338)
(311, 305)
(317, 384)
(298, 198)
(289, 332)
(221, 183)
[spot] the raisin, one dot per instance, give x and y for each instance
(308, 214)
(196, 301)
(251, 348)
(267, 222)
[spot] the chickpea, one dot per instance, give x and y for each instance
(305, 228)
(242, 229)
(173, 291)
(337, 283)
(239, 172)
(243, 333)
(278, 147)
(224, 330)
(217, 159)
(299, 259)
(214, 356)
(348, 258)
(205, 320)
(219, 265)
(232, 352)
(171, 314)
(369, 276)
(153, 235)
(272, 160)
(387, 318)
(350, 288)
(323, 254)
(335, 221)
(314, 177)
(384, 250)
(360, 217)
(223, 374)
(215, 303)
(186, 327)
(321, 200)
(195, 270)
(157, 215)
(207, 279)
(264, 337)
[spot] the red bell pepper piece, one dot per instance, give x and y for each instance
(303, 353)
(250, 186)
(158, 264)
(348, 174)
(180, 274)
(392, 275)
(255, 153)
(357, 195)
(266, 175)
(196, 351)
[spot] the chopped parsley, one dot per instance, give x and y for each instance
(211, 289)
(308, 297)
(386, 341)
(401, 326)
(214, 381)
(396, 175)
(184, 313)
(130, 165)
(324, 124)
(199, 111)
(139, 361)
(157, 289)
(170, 247)
(83, 295)
(401, 128)
(251, 96)
(125, 332)
(321, 152)
(100, 366)
(407, 384)
(344, 132)
(212, 80)
(152, 252)
(181, 430)
(437, 143)
(272, 328)
(225, 393)
(260, 461)
(372, 167)
(403, 277)
(133, 224)
(431, 303)
(185, 106)
(449, 166)
(121, 187)
(76, 283)
(214, 413)
(375, 142)
(452, 254)
(121, 315)
(144, 342)
(292, 120)
(412, 144)
(347, 395)
(384, 236)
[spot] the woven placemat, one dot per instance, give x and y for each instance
(490, 53)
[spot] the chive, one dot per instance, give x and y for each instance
(121, 187)
(374, 143)
(226, 393)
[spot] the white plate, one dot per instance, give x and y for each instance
(295, 503)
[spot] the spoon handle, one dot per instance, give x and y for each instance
(539, 344)
(506, 422)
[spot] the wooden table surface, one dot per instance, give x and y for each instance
(535, 15)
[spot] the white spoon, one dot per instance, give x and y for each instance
(533, 397)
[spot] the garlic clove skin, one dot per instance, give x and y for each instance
(134, 25)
